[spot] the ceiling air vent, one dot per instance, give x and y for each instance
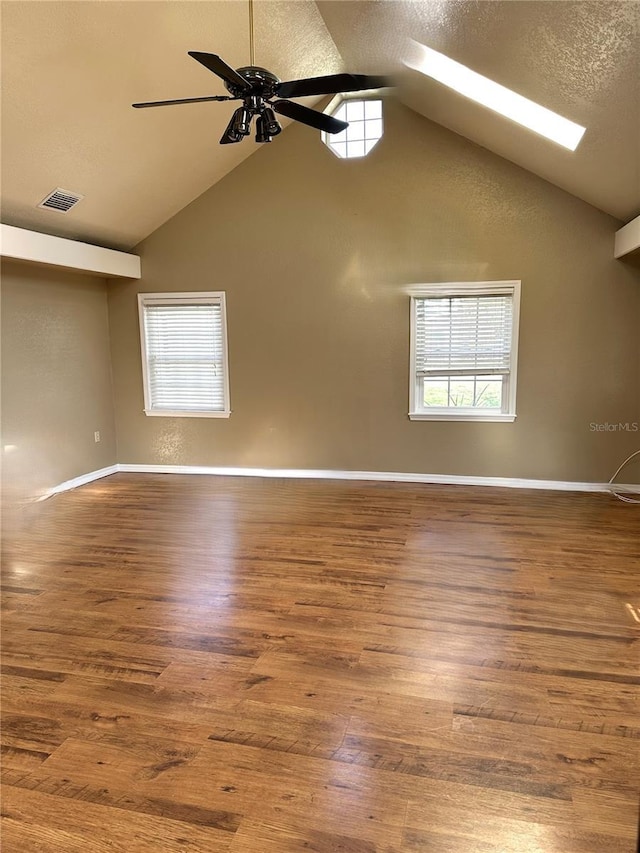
(60, 200)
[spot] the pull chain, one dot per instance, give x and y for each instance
(251, 48)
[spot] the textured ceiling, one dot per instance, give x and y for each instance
(580, 59)
(72, 69)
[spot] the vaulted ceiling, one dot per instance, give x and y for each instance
(70, 71)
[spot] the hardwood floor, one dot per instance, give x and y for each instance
(200, 664)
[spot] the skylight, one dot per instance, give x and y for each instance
(364, 131)
(494, 96)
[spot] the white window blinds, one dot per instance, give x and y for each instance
(185, 344)
(463, 335)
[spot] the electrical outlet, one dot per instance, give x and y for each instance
(96, 436)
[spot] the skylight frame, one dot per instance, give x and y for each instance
(500, 99)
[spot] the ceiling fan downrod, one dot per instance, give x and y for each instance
(252, 58)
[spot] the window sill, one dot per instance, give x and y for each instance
(498, 417)
(166, 413)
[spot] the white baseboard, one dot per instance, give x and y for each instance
(326, 474)
(383, 476)
(82, 480)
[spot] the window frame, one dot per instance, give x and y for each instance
(177, 298)
(507, 414)
(345, 98)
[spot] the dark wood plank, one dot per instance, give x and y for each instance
(270, 666)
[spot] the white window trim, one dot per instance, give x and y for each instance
(176, 297)
(334, 105)
(466, 288)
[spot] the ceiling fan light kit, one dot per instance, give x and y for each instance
(263, 94)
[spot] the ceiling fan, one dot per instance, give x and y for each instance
(263, 94)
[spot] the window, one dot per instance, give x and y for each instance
(184, 354)
(498, 98)
(464, 341)
(364, 131)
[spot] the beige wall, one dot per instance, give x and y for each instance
(56, 378)
(315, 254)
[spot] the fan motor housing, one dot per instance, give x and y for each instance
(262, 82)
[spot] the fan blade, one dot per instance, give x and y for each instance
(181, 101)
(311, 117)
(220, 67)
(330, 85)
